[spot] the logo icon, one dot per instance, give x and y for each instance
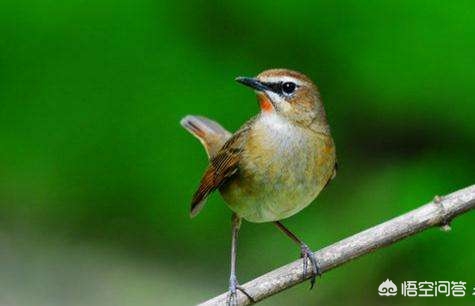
(387, 288)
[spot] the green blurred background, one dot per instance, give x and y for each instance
(96, 174)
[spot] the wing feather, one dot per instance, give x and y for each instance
(222, 166)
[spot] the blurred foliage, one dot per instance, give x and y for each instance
(96, 174)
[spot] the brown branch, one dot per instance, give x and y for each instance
(439, 212)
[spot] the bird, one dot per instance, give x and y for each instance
(272, 167)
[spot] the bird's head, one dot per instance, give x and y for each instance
(289, 94)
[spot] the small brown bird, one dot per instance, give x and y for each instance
(275, 164)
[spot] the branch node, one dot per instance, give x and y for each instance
(445, 223)
(438, 199)
(445, 227)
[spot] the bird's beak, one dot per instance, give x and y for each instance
(253, 83)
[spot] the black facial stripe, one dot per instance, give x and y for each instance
(275, 87)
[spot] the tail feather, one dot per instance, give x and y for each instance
(212, 136)
(210, 133)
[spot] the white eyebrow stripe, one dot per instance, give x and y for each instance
(282, 79)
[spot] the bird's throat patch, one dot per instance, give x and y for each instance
(265, 103)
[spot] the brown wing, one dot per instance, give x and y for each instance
(222, 166)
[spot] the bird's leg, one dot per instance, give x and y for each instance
(233, 283)
(305, 253)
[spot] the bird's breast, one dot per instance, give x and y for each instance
(278, 151)
(282, 169)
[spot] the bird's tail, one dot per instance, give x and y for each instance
(210, 133)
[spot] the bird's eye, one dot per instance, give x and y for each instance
(288, 87)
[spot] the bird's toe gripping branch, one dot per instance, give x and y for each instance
(232, 294)
(308, 255)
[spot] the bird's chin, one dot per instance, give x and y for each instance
(278, 102)
(265, 102)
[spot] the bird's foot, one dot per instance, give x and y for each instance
(306, 255)
(232, 294)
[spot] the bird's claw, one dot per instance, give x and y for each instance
(232, 294)
(306, 255)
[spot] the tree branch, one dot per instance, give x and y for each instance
(439, 212)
